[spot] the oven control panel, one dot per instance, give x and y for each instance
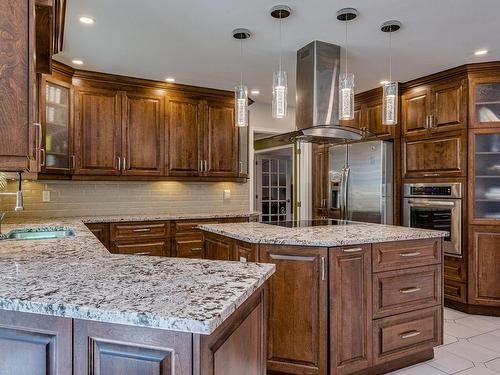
(433, 190)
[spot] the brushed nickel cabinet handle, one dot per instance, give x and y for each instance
(409, 290)
(196, 249)
(323, 272)
(143, 253)
(119, 163)
(431, 174)
(409, 255)
(353, 250)
(206, 166)
(73, 163)
(142, 230)
(42, 157)
(124, 163)
(409, 334)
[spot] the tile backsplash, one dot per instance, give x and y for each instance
(83, 198)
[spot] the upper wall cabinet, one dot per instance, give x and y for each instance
(432, 108)
(98, 144)
(17, 86)
(485, 101)
(222, 140)
(143, 133)
(184, 135)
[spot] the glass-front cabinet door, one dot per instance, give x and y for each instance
(485, 102)
(56, 123)
(485, 172)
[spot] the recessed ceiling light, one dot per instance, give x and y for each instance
(384, 82)
(170, 79)
(255, 92)
(77, 62)
(87, 20)
(481, 52)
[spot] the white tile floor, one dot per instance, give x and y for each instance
(471, 347)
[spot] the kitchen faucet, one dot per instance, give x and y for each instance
(19, 200)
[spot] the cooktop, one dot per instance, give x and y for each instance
(310, 223)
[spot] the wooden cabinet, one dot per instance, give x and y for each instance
(484, 99)
(484, 272)
(357, 122)
(184, 135)
(140, 238)
(98, 145)
(373, 116)
(101, 231)
(218, 248)
(35, 344)
(350, 309)
(455, 279)
(298, 308)
(436, 107)
(154, 247)
(435, 156)
(320, 182)
(18, 151)
(221, 137)
(143, 133)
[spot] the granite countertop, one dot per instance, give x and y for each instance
(77, 277)
(328, 235)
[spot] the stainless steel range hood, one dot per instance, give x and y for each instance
(317, 102)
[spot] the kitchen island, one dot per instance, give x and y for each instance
(345, 298)
(68, 306)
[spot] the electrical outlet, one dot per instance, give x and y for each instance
(226, 194)
(46, 196)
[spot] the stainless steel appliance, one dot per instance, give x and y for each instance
(361, 182)
(435, 206)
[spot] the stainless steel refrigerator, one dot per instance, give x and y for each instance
(361, 182)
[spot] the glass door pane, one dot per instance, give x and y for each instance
(275, 190)
(487, 102)
(57, 99)
(487, 176)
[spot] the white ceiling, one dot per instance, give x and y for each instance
(191, 39)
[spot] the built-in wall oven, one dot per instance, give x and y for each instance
(436, 206)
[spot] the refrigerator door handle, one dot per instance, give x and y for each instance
(341, 193)
(344, 188)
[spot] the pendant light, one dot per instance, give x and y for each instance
(280, 84)
(346, 80)
(241, 91)
(390, 88)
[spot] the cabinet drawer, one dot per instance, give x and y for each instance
(454, 269)
(406, 254)
(395, 292)
(455, 291)
(189, 226)
(191, 246)
(155, 248)
(397, 336)
(128, 231)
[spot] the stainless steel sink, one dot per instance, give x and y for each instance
(39, 233)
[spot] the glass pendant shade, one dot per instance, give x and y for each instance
(241, 105)
(346, 96)
(390, 104)
(280, 91)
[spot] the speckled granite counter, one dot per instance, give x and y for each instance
(77, 277)
(327, 236)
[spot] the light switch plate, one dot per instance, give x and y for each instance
(46, 196)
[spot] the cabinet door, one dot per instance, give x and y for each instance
(350, 309)
(484, 94)
(435, 156)
(17, 94)
(320, 181)
(97, 131)
(484, 272)
(245, 252)
(298, 307)
(217, 248)
(184, 136)
(221, 140)
(143, 134)
(357, 122)
(57, 126)
(35, 344)
(449, 106)
(189, 246)
(415, 108)
(374, 120)
(244, 151)
(105, 348)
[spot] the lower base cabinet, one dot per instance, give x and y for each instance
(32, 344)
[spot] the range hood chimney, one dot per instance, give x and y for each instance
(317, 100)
